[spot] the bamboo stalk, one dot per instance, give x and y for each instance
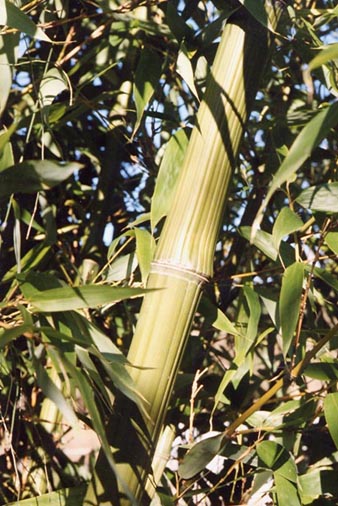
(184, 257)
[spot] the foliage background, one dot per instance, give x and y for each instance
(104, 93)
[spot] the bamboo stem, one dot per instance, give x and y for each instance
(184, 257)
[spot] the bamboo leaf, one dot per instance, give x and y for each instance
(51, 391)
(64, 497)
(287, 492)
(122, 268)
(254, 306)
(327, 277)
(309, 138)
(147, 76)
(331, 415)
(8, 335)
(286, 223)
(35, 175)
(68, 298)
(289, 302)
(257, 9)
(88, 397)
(184, 69)
(12, 16)
(320, 198)
(199, 456)
(327, 54)
(52, 84)
(262, 240)
(324, 371)
(9, 44)
(316, 483)
(331, 240)
(275, 457)
(167, 176)
(216, 317)
(145, 247)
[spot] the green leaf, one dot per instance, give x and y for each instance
(323, 197)
(145, 247)
(275, 457)
(287, 492)
(309, 138)
(12, 16)
(331, 415)
(316, 483)
(32, 258)
(9, 44)
(199, 456)
(64, 497)
(289, 302)
(167, 176)
(257, 10)
(51, 391)
(216, 317)
(324, 371)
(147, 76)
(8, 335)
(6, 155)
(331, 240)
(286, 223)
(327, 277)
(68, 298)
(88, 397)
(254, 307)
(122, 268)
(52, 84)
(184, 69)
(35, 175)
(327, 54)
(262, 240)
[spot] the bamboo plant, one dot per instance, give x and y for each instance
(183, 261)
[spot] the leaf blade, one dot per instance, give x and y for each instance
(289, 302)
(68, 298)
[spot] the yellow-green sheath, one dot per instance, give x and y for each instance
(184, 256)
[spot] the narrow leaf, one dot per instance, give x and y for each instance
(63, 497)
(309, 138)
(145, 246)
(184, 69)
(8, 335)
(68, 298)
(331, 415)
(327, 54)
(35, 175)
(327, 277)
(331, 240)
(286, 223)
(51, 391)
(276, 458)
(148, 73)
(12, 16)
(9, 44)
(167, 176)
(318, 482)
(262, 240)
(52, 84)
(289, 302)
(216, 317)
(323, 197)
(122, 268)
(324, 371)
(287, 492)
(257, 10)
(199, 456)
